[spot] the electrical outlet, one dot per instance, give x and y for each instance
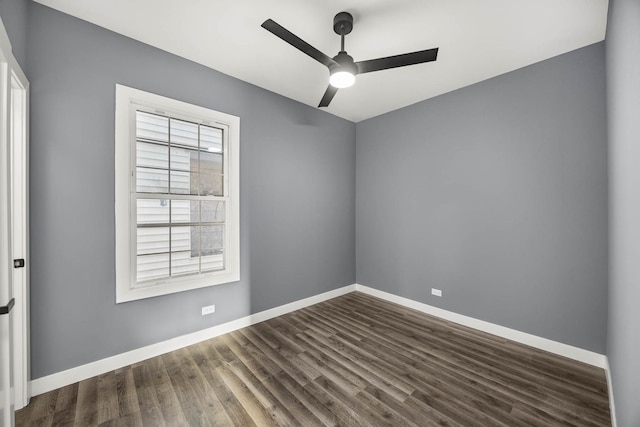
(210, 309)
(436, 292)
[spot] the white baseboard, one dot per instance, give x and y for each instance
(612, 406)
(555, 347)
(79, 373)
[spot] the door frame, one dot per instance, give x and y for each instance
(17, 139)
(20, 234)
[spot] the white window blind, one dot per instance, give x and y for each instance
(178, 236)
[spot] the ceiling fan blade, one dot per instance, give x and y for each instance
(295, 41)
(328, 96)
(397, 61)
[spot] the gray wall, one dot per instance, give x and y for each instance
(496, 194)
(623, 92)
(297, 204)
(14, 14)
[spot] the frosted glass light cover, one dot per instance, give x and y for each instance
(342, 79)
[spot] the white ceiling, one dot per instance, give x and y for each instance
(477, 40)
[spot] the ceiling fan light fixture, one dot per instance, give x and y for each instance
(342, 78)
(343, 72)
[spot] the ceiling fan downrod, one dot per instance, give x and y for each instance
(342, 25)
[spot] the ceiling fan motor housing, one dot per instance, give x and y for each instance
(344, 63)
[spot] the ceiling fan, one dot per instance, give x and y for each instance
(342, 69)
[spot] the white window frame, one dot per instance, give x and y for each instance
(128, 101)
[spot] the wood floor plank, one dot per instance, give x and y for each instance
(296, 407)
(42, 406)
(321, 412)
(264, 365)
(66, 403)
(87, 408)
(343, 409)
(147, 399)
(242, 353)
(260, 415)
(67, 397)
(290, 362)
(362, 410)
(374, 376)
(107, 398)
(197, 401)
(44, 421)
(126, 394)
(278, 412)
(421, 417)
(288, 401)
(354, 360)
(133, 419)
(170, 405)
(208, 361)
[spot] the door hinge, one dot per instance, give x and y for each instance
(18, 263)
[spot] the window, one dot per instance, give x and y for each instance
(177, 216)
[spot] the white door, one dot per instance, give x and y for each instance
(18, 188)
(6, 274)
(13, 235)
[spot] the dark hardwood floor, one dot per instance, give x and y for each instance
(351, 361)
